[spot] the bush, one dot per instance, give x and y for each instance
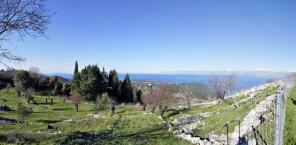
(103, 103)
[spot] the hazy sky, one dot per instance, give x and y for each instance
(165, 35)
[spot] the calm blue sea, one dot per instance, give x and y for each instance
(243, 81)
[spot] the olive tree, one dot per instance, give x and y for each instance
(22, 81)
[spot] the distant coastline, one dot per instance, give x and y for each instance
(243, 80)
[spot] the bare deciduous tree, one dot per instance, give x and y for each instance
(145, 99)
(165, 98)
(221, 85)
(18, 88)
(76, 100)
(29, 95)
(20, 18)
(188, 94)
(158, 96)
(153, 98)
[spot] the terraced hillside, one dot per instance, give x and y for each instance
(59, 123)
(207, 121)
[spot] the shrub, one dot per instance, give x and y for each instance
(103, 104)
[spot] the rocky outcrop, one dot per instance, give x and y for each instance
(185, 124)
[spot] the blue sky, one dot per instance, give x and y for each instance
(165, 35)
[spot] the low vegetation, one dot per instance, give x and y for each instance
(222, 113)
(290, 126)
(59, 123)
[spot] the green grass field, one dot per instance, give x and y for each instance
(127, 126)
(290, 126)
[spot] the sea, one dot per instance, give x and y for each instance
(242, 81)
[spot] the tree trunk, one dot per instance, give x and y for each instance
(144, 107)
(153, 109)
(76, 105)
(189, 105)
(163, 110)
(19, 93)
(112, 110)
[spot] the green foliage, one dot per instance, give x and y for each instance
(290, 126)
(75, 87)
(58, 88)
(135, 127)
(113, 85)
(52, 82)
(76, 71)
(139, 95)
(92, 82)
(126, 90)
(23, 112)
(101, 103)
(23, 78)
(66, 89)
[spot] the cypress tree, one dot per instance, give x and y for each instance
(76, 68)
(127, 94)
(75, 87)
(114, 85)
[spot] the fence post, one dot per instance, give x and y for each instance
(238, 130)
(278, 118)
(227, 133)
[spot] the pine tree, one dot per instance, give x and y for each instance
(127, 94)
(92, 82)
(114, 85)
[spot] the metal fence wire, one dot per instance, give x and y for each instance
(271, 131)
(271, 128)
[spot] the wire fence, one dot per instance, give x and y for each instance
(271, 131)
(272, 122)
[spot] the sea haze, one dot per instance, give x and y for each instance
(243, 81)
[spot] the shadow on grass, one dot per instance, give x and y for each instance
(172, 112)
(48, 121)
(3, 138)
(62, 109)
(7, 120)
(43, 103)
(120, 112)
